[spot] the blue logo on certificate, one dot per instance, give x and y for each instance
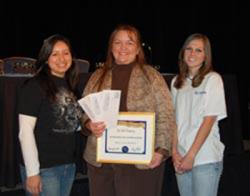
(124, 149)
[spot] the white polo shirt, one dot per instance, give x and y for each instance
(191, 106)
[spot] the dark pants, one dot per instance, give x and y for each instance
(125, 180)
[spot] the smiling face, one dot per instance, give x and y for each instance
(60, 59)
(194, 55)
(124, 47)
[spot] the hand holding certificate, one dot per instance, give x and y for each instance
(129, 136)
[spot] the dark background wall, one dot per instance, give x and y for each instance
(164, 26)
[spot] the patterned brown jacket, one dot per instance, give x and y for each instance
(146, 93)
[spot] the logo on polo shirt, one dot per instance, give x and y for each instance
(200, 92)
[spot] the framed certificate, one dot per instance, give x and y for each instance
(131, 142)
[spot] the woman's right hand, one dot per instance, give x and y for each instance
(34, 185)
(97, 128)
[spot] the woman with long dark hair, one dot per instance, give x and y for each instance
(48, 118)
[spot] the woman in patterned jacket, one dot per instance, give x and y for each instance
(143, 89)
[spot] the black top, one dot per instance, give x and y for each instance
(56, 123)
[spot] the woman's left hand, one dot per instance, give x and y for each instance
(156, 160)
(186, 163)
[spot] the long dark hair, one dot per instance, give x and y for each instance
(204, 69)
(44, 75)
(109, 63)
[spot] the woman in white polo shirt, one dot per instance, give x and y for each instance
(198, 96)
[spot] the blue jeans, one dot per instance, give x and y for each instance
(56, 181)
(202, 180)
